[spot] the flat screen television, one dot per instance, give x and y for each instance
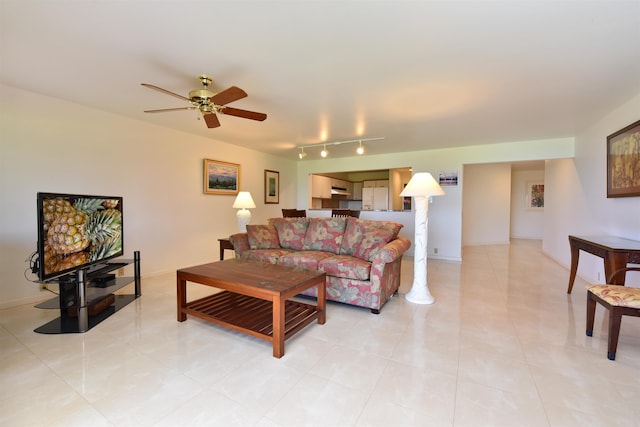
(77, 231)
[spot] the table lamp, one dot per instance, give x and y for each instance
(243, 201)
(421, 186)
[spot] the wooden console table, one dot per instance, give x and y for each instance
(615, 251)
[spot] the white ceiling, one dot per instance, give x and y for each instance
(423, 75)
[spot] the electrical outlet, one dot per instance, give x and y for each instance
(435, 250)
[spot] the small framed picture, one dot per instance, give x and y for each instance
(271, 187)
(448, 178)
(221, 177)
(623, 162)
(535, 195)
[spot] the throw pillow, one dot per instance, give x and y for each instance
(262, 237)
(371, 243)
(325, 234)
(356, 230)
(291, 231)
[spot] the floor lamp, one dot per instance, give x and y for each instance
(421, 186)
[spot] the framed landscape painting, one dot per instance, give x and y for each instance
(271, 187)
(623, 162)
(221, 177)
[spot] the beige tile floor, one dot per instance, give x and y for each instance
(503, 345)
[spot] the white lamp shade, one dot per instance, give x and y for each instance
(244, 201)
(422, 184)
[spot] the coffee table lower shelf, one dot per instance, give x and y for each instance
(250, 315)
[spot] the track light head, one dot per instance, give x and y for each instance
(360, 149)
(324, 152)
(302, 154)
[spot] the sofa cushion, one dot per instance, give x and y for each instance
(262, 236)
(291, 231)
(265, 255)
(325, 234)
(306, 259)
(346, 266)
(372, 242)
(363, 239)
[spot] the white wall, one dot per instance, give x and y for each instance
(486, 204)
(51, 145)
(525, 223)
(576, 197)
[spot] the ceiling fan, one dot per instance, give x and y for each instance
(210, 103)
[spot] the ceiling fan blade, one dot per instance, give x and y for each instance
(245, 114)
(228, 95)
(211, 120)
(164, 110)
(159, 89)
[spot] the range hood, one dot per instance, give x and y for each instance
(340, 191)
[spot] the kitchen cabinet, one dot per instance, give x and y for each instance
(356, 193)
(376, 183)
(349, 189)
(340, 187)
(320, 187)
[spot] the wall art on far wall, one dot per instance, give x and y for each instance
(221, 177)
(271, 186)
(535, 195)
(623, 162)
(448, 178)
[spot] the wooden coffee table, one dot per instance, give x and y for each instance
(255, 298)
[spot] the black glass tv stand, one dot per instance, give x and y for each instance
(87, 298)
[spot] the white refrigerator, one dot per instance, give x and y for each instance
(375, 198)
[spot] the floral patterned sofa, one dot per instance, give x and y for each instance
(361, 258)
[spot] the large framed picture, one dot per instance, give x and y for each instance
(221, 177)
(623, 162)
(271, 187)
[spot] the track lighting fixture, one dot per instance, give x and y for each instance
(325, 153)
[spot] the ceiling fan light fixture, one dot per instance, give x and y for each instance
(200, 95)
(206, 108)
(209, 103)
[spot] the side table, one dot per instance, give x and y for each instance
(224, 244)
